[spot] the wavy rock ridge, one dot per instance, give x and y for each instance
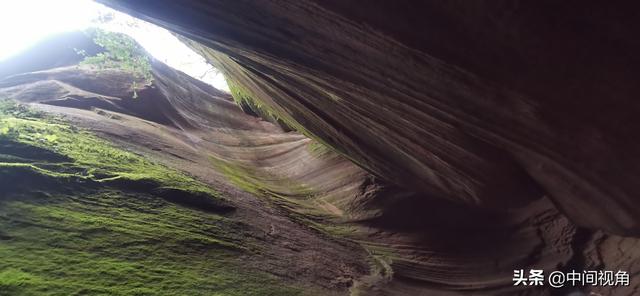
(453, 143)
(501, 108)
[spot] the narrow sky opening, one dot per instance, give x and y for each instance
(25, 22)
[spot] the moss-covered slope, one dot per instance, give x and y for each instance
(79, 216)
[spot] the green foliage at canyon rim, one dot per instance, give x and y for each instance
(121, 53)
(80, 216)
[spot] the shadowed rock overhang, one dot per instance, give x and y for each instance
(474, 138)
(490, 104)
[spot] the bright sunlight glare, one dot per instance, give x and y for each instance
(25, 22)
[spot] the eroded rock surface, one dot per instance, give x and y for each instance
(454, 142)
(190, 126)
(489, 104)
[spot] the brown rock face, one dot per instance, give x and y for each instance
(490, 104)
(488, 136)
(191, 126)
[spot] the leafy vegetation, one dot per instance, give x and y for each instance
(69, 227)
(252, 106)
(121, 53)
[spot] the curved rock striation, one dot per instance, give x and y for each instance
(487, 104)
(451, 143)
(190, 126)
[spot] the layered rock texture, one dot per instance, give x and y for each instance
(188, 125)
(438, 145)
(489, 104)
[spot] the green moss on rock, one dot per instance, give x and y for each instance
(91, 159)
(79, 216)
